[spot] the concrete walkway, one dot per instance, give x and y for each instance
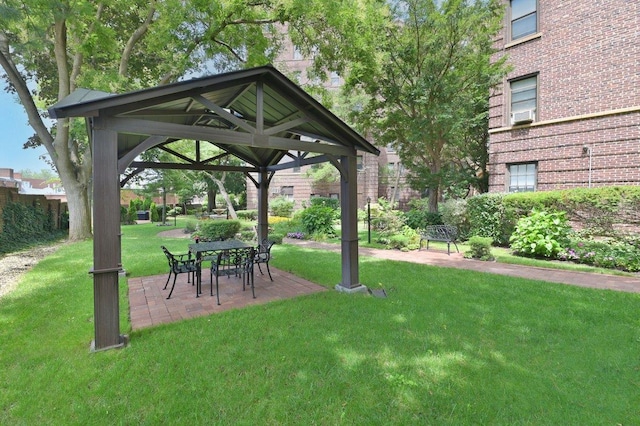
(456, 260)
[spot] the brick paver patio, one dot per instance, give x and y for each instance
(148, 305)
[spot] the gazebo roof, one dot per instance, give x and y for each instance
(257, 115)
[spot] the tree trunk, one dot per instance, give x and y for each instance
(225, 195)
(79, 209)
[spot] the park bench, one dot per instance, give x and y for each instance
(443, 233)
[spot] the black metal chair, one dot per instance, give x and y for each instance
(238, 262)
(180, 264)
(263, 255)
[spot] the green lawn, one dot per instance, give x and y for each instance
(446, 347)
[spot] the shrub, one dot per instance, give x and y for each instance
(454, 212)
(480, 248)
(218, 229)
(488, 217)
(541, 234)
(247, 235)
(280, 206)
(155, 215)
(247, 214)
(276, 237)
(190, 226)
(613, 254)
(419, 215)
(318, 220)
(334, 203)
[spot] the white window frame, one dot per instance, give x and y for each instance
(525, 175)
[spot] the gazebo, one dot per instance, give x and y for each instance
(257, 115)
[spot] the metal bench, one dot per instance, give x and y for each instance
(444, 233)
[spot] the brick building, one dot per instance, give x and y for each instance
(568, 114)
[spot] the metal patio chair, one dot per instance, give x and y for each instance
(263, 255)
(179, 264)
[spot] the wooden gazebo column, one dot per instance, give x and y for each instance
(263, 204)
(106, 238)
(349, 223)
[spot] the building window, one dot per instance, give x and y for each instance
(287, 192)
(524, 18)
(524, 99)
(297, 55)
(334, 196)
(390, 148)
(522, 177)
(359, 162)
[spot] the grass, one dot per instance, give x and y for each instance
(446, 347)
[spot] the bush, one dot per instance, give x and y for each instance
(218, 229)
(190, 226)
(454, 212)
(247, 214)
(25, 225)
(318, 220)
(488, 217)
(276, 237)
(334, 203)
(480, 248)
(613, 254)
(541, 234)
(280, 206)
(155, 214)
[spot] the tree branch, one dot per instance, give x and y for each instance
(135, 37)
(19, 84)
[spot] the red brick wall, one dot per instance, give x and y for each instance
(587, 57)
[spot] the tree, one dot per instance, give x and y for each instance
(428, 87)
(48, 48)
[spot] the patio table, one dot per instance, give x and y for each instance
(210, 248)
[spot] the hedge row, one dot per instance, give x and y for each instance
(24, 225)
(598, 211)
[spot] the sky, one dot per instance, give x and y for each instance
(14, 132)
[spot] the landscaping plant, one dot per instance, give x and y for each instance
(541, 234)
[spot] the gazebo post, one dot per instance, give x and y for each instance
(106, 239)
(263, 204)
(349, 222)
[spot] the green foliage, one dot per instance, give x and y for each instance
(190, 226)
(334, 203)
(386, 221)
(454, 212)
(419, 215)
(541, 234)
(291, 226)
(621, 254)
(318, 219)
(407, 239)
(488, 217)
(479, 248)
(24, 225)
(438, 125)
(247, 214)
(154, 213)
(282, 207)
(597, 210)
(218, 229)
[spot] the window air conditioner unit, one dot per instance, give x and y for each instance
(521, 117)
